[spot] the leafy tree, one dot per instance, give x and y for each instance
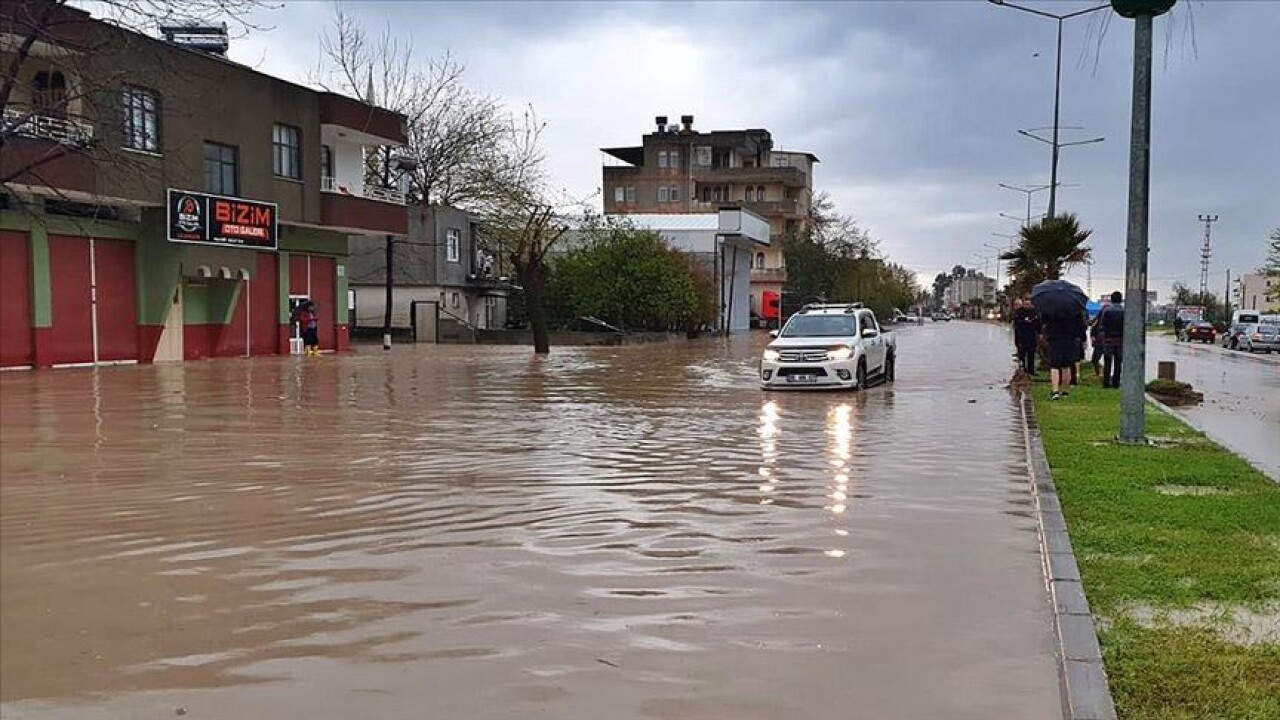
(1271, 268)
(1045, 250)
(632, 279)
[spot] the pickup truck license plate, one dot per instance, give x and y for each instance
(802, 378)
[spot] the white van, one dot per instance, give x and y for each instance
(1245, 317)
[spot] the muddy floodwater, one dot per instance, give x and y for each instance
(471, 532)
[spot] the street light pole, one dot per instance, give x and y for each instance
(1133, 367)
(1057, 90)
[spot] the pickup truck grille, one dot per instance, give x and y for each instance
(808, 355)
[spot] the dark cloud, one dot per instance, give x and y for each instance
(912, 106)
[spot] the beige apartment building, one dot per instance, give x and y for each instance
(679, 170)
(1255, 292)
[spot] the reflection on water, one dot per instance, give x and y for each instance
(472, 532)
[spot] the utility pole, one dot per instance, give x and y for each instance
(1089, 278)
(1226, 300)
(1057, 95)
(1205, 253)
(1133, 400)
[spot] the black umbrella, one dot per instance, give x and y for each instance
(1058, 298)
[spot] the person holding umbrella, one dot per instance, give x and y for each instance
(1061, 307)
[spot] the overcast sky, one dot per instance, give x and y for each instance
(913, 107)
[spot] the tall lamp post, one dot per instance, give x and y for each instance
(1133, 367)
(1057, 90)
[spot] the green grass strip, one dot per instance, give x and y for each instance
(1184, 525)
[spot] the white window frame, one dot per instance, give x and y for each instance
(673, 195)
(662, 193)
(673, 159)
(631, 194)
(662, 158)
(619, 194)
(453, 245)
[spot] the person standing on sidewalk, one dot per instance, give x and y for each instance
(1111, 320)
(1026, 334)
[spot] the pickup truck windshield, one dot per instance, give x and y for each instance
(820, 326)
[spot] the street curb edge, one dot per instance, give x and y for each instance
(1082, 676)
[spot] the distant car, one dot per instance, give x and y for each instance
(940, 317)
(1201, 331)
(1231, 338)
(1260, 338)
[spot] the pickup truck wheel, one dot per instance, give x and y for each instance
(862, 375)
(889, 370)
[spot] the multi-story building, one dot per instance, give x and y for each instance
(678, 170)
(162, 202)
(1257, 292)
(973, 286)
(440, 266)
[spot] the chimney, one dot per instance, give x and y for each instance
(661, 121)
(687, 121)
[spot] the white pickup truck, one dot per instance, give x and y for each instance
(829, 346)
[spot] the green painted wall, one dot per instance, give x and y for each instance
(158, 265)
(340, 294)
(282, 297)
(310, 240)
(209, 302)
(41, 286)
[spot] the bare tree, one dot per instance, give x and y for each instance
(464, 149)
(55, 82)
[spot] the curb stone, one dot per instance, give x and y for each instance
(1081, 675)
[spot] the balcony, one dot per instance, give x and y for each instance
(371, 124)
(29, 123)
(769, 275)
(765, 209)
(788, 176)
(367, 210)
(381, 194)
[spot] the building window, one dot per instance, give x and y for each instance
(673, 159)
(662, 194)
(49, 94)
(286, 154)
(674, 195)
(759, 261)
(751, 194)
(221, 169)
(452, 243)
(631, 194)
(619, 194)
(141, 120)
(662, 158)
(326, 161)
(760, 193)
(456, 300)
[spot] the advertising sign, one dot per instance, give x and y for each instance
(217, 220)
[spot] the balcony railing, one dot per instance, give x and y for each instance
(769, 275)
(23, 121)
(381, 194)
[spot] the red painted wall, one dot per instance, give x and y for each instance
(265, 307)
(199, 341)
(323, 279)
(17, 346)
(71, 340)
(298, 275)
(117, 301)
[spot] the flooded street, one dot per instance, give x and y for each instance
(471, 532)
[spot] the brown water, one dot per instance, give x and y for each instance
(468, 532)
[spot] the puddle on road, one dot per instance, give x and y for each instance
(466, 532)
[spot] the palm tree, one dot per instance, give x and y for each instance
(1045, 250)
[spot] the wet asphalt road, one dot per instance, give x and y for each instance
(462, 532)
(1241, 408)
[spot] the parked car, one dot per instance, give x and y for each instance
(1200, 331)
(940, 317)
(829, 346)
(1260, 338)
(1231, 338)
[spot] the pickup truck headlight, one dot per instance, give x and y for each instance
(771, 355)
(843, 352)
